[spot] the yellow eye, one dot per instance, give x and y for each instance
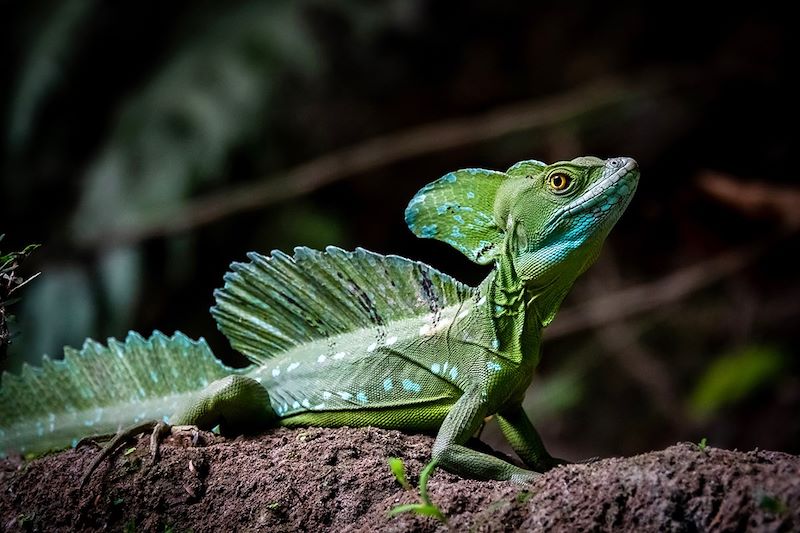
(559, 182)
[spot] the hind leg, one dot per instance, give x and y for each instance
(237, 404)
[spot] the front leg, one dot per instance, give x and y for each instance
(524, 439)
(449, 451)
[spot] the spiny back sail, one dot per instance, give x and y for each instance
(275, 303)
(102, 388)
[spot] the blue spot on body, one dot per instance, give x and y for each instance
(387, 384)
(428, 230)
(494, 366)
(441, 209)
(458, 218)
(154, 376)
(455, 232)
(495, 344)
(470, 195)
(74, 442)
(450, 178)
(436, 368)
(411, 386)
(361, 397)
(453, 373)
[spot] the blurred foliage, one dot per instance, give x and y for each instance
(731, 377)
(118, 116)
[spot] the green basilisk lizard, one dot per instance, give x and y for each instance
(355, 338)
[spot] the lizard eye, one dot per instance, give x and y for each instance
(559, 181)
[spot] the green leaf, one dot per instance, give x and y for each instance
(422, 509)
(399, 471)
(732, 377)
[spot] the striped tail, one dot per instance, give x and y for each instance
(102, 388)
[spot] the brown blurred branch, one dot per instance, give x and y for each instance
(612, 307)
(755, 199)
(378, 152)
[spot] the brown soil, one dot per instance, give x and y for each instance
(337, 479)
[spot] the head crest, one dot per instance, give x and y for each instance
(459, 209)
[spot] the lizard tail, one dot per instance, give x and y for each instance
(100, 388)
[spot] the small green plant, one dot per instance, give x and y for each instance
(426, 507)
(524, 496)
(703, 444)
(9, 283)
(771, 504)
(399, 471)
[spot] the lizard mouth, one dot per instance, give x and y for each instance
(609, 196)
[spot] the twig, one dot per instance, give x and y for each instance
(376, 153)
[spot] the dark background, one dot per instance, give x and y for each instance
(147, 145)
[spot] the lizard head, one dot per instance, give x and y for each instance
(556, 217)
(541, 225)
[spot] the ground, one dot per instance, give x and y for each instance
(318, 479)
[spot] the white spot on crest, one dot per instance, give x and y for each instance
(339, 355)
(295, 405)
(371, 347)
(306, 403)
(322, 358)
(425, 330)
(436, 368)
(326, 395)
(391, 340)
(344, 395)
(482, 300)
(453, 372)
(276, 372)
(319, 406)
(292, 366)
(463, 314)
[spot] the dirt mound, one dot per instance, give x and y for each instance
(318, 479)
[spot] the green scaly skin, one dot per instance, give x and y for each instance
(334, 345)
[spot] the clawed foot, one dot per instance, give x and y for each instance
(157, 429)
